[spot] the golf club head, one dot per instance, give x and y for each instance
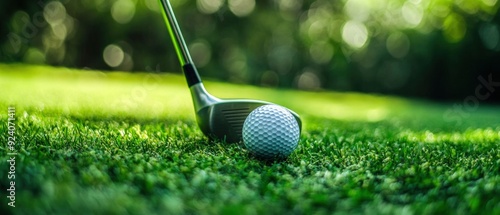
(223, 119)
(217, 118)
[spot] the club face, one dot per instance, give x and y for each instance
(224, 120)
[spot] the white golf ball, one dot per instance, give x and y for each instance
(271, 131)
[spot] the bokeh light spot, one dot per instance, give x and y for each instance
(201, 53)
(152, 5)
(490, 3)
(439, 9)
(16, 22)
(412, 14)
(34, 56)
(355, 34)
(317, 30)
(69, 23)
(471, 7)
(269, 79)
(454, 28)
(50, 41)
(289, 5)
(209, 6)
(321, 52)
(357, 10)
(490, 36)
(235, 61)
(123, 11)
(308, 81)
(60, 31)
(398, 44)
(54, 12)
(55, 55)
(241, 7)
(113, 55)
(127, 63)
(99, 5)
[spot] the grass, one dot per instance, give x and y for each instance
(117, 143)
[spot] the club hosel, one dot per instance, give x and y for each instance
(201, 98)
(191, 74)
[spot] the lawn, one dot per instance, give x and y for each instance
(89, 142)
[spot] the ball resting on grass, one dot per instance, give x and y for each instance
(271, 132)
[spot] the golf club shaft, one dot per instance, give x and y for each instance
(181, 49)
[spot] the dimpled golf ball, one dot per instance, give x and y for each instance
(271, 131)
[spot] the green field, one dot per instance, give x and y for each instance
(89, 142)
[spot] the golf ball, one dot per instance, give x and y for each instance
(271, 131)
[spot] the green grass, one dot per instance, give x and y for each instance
(117, 143)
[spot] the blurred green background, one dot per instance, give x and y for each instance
(432, 49)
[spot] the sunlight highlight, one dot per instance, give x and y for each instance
(412, 14)
(355, 34)
(470, 135)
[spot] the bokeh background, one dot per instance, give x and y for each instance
(430, 49)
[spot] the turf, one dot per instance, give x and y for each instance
(117, 143)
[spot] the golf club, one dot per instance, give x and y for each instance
(217, 118)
